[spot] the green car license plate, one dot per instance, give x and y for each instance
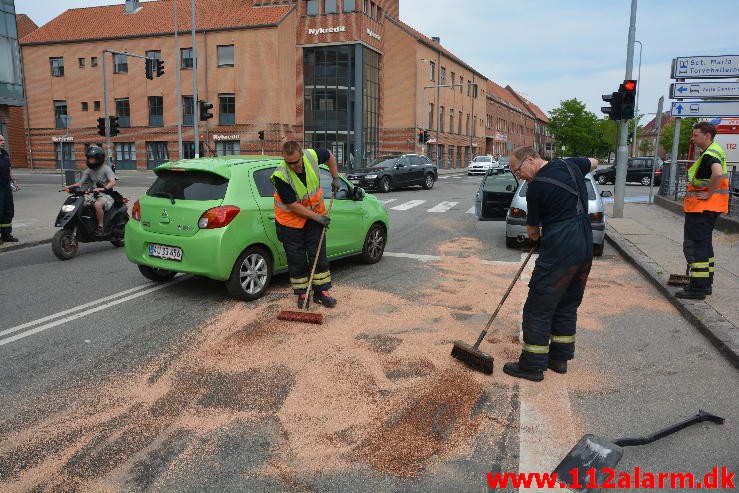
(165, 251)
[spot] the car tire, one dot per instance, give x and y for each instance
(645, 180)
(385, 184)
(374, 244)
(512, 242)
(601, 180)
(63, 246)
(428, 181)
(155, 274)
(251, 275)
(597, 250)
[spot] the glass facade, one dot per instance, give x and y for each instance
(11, 74)
(335, 115)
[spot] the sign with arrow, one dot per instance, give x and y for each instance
(689, 90)
(704, 108)
(705, 67)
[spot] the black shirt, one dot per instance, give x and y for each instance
(704, 168)
(547, 203)
(4, 167)
(286, 192)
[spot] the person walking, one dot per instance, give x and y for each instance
(300, 216)
(558, 200)
(7, 208)
(706, 197)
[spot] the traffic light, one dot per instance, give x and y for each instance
(628, 99)
(160, 67)
(426, 136)
(101, 126)
(149, 68)
(113, 126)
(614, 110)
(261, 134)
(420, 136)
(204, 107)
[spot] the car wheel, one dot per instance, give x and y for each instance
(156, 274)
(374, 244)
(597, 250)
(601, 180)
(428, 182)
(385, 184)
(645, 180)
(251, 275)
(512, 242)
(63, 244)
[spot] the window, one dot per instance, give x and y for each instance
(57, 67)
(84, 106)
(431, 116)
(120, 64)
(156, 154)
(154, 54)
(81, 62)
(226, 109)
(93, 61)
(441, 119)
(329, 7)
(350, 6)
(186, 58)
(459, 123)
(442, 75)
(96, 105)
(467, 125)
(432, 71)
(188, 152)
(156, 111)
(227, 148)
(123, 112)
(125, 155)
(451, 120)
(452, 79)
(379, 13)
(226, 56)
(60, 114)
(469, 87)
(188, 111)
(372, 9)
(366, 6)
(311, 7)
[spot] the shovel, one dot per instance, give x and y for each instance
(679, 279)
(593, 458)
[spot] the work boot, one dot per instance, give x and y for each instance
(709, 290)
(324, 298)
(301, 300)
(690, 294)
(10, 239)
(557, 366)
(514, 370)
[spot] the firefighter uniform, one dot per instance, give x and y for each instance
(7, 209)
(700, 218)
(299, 235)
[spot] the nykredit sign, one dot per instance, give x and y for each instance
(327, 30)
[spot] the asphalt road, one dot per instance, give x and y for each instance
(112, 383)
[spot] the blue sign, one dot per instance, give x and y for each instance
(705, 108)
(705, 67)
(690, 90)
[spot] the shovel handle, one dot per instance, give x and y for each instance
(315, 259)
(698, 418)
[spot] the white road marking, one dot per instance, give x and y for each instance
(415, 256)
(387, 201)
(442, 207)
(470, 210)
(408, 205)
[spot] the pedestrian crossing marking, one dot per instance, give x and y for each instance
(471, 210)
(387, 201)
(408, 205)
(442, 207)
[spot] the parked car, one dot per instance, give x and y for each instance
(214, 217)
(638, 169)
(515, 228)
(504, 162)
(495, 194)
(388, 172)
(481, 165)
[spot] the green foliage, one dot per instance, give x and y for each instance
(574, 127)
(668, 133)
(646, 147)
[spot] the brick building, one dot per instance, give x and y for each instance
(347, 75)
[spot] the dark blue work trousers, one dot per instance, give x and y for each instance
(7, 209)
(698, 248)
(555, 292)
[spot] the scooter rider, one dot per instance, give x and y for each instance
(102, 178)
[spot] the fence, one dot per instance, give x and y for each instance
(682, 179)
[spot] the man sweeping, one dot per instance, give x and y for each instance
(300, 216)
(558, 200)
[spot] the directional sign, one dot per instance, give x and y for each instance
(705, 67)
(701, 90)
(705, 108)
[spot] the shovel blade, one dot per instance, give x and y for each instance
(587, 460)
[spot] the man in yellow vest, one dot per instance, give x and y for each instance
(706, 197)
(300, 216)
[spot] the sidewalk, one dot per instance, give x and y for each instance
(650, 237)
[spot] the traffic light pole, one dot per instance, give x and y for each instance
(195, 102)
(623, 129)
(108, 152)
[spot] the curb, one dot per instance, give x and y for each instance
(722, 333)
(21, 246)
(724, 223)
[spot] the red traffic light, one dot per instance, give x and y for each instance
(630, 85)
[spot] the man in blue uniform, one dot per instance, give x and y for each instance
(7, 208)
(558, 201)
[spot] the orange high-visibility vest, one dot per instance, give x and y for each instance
(309, 195)
(719, 201)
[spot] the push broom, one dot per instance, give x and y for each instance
(471, 355)
(304, 315)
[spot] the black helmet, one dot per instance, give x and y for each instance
(98, 156)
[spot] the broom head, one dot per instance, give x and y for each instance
(472, 357)
(302, 316)
(678, 280)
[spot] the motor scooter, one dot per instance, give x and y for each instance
(78, 222)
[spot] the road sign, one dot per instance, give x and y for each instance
(705, 108)
(691, 90)
(705, 67)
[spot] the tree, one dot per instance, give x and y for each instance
(668, 134)
(576, 128)
(646, 147)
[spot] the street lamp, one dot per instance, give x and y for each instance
(636, 106)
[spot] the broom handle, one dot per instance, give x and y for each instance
(315, 260)
(505, 296)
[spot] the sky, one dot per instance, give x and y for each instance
(553, 50)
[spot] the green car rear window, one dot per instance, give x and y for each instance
(188, 185)
(264, 185)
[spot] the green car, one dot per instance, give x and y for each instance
(214, 217)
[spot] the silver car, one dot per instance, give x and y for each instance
(515, 222)
(481, 165)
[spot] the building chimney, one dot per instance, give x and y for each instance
(436, 39)
(132, 6)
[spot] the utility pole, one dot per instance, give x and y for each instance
(656, 145)
(195, 104)
(108, 152)
(672, 189)
(621, 154)
(178, 91)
